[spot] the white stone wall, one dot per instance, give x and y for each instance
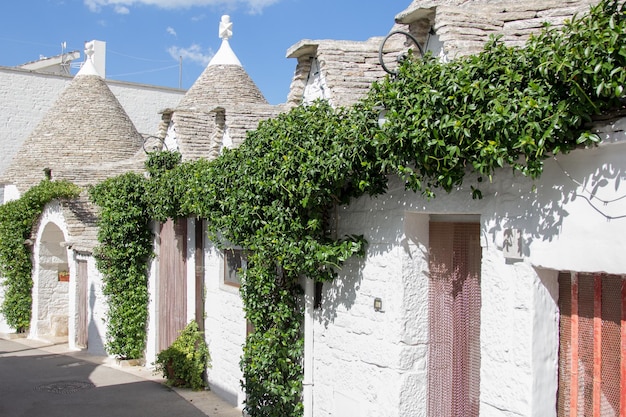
(97, 307)
(371, 363)
(54, 302)
(151, 332)
(315, 87)
(143, 103)
(26, 96)
(225, 329)
(50, 305)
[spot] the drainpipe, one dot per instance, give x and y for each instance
(191, 270)
(307, 389)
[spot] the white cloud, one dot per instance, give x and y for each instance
(122, 6)
(198, 18)
(194, 54)
(122, 9)
(170, 30)
(92, 5)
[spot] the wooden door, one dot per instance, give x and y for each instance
(82, 313)
(172, 282)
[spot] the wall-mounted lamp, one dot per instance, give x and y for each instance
(382, 115)
(378, 304)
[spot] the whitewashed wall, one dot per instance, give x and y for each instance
(225, 329)
(143, 103)
(97, 307)
(50, 305)
(55, 301)
(371, 363)
(25, 98)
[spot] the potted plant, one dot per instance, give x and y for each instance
(63, 275)
(184, 363)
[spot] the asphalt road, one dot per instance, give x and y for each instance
(35, 381)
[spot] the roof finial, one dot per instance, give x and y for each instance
(89, 67)
(226, 28)
(225, 55)
(89, 50)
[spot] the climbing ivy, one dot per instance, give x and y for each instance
(505, 107)
(17, 219)
(122, 256)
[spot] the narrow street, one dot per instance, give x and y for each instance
(46, 379)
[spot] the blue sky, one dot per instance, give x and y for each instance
(145, 37)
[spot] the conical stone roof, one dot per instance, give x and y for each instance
(222, 85)
(86, 127)
(224, 81)
(219, 109)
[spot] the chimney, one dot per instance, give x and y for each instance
(99, 56)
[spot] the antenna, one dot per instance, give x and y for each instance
(65, 67)
(180, 72)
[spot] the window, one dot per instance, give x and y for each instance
(592, 347)
(234, 264)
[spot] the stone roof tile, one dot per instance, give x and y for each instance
(223, 104)
(86, 127)
(348, 67)
(464, 26)
(222, 85)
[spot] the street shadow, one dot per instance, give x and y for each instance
(35, 383)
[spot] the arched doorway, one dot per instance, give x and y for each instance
(51, 290)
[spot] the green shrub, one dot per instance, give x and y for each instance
(122, 256)
(17, 220)
(183, 363)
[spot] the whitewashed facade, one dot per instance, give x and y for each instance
(369, 345)
(55, 302)
(376, 362)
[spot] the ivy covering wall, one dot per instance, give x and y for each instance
(17, 219)
(504, 108)
(122, 257)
